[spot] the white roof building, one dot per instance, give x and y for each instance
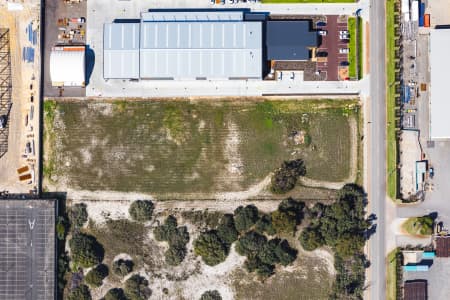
(67, 66)
(439, 84)
(184, 45)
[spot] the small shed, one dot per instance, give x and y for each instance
(415, 290)
(442, 245)
(67, 66)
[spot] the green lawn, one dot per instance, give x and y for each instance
(391, 281)
(391, 107)
(308, 1)
(355, 57)
(419, 226)
(360, 47)
(165, 147)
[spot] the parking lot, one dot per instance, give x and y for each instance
(64, 25)
(437, 278)
(331, 44)
(27, 249)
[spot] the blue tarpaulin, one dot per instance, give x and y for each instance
(406, 94)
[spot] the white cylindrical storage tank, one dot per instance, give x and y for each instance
(415, 11)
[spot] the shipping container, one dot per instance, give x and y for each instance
(406, 16)
(426, 22)
(416, 268)
(422, 14)
(415, 11)
(405, 6)
(428, 255)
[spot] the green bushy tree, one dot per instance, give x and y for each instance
(141, 210)
(85, 250)
(211, 295)
(136, 288)
(95, 276)
(80, 293)
(211, 248)
(245, 217)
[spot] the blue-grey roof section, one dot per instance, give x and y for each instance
(289, 40)
(192, 16)
(121, 50)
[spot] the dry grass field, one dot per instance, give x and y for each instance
(192, 147)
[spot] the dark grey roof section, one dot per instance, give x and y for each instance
(289, 40)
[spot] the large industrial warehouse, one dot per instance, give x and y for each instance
(439, 66)
(184, 45)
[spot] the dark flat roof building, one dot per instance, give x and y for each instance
(289, 40)
(415, 290)
(442, 245)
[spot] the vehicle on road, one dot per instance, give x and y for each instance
(431, 171)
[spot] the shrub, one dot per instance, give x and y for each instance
(212, 250)
(141, 210)
(165, 231)
(85, 250)
(245, 217)
(95, 276)
(250, 243)
(78, 215)
(285, 178)
(263, 255)
(310, 239)
(285, 253)
(122, 267)
(174, 255)
(61, 228)
(211, 295)
(115, 294)
(284, 221)
(80, 293)
(177, 238)
(136, 288)
(226, 230)
(264, 225)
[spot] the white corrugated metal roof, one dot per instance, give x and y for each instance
(439, 86)
(192, 16)
(121, 50)
(201, 49)
(184, 50)
(67, 68)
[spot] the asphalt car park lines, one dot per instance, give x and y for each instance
(27, 249)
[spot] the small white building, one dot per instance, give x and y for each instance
(67, 66)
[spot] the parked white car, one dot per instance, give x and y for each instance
(343, 50)
(322, 32)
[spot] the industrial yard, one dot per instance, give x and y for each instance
(19, 102)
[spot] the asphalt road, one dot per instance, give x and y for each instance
(377, 148)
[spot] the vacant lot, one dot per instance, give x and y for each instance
(311, 277)
(184, 147)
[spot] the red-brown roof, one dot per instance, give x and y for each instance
(443, 246)
(415, 290)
